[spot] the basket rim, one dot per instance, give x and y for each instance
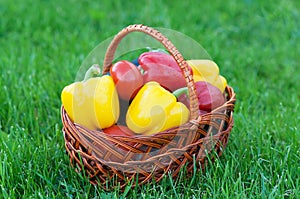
(160, 136)
(195, 122)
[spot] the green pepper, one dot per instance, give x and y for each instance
(154, 109)
(92, 103)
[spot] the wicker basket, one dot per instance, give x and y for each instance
(142, 159)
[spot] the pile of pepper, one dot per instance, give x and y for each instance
(153, 89)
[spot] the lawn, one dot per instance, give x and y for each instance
(255, 43)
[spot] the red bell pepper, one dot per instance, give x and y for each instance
(127, 78)
(162, 68)
(118, 130)
(209, 96)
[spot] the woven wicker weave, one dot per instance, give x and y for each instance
(146, 158)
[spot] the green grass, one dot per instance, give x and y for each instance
(255, 43)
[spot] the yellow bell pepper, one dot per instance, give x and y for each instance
(154, 109)
(207, 70)
(92, 103)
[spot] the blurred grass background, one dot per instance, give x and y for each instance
(255, 43)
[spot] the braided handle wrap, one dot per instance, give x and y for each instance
(109, 56)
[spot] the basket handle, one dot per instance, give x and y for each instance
(109, 56)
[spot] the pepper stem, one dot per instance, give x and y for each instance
(180, 92)
(93, 71)
(157, 50)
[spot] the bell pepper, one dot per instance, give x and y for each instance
(118, 130)
(166, 76)
(127, 77)
(207, 70)
(209, 97)
(162, 68)
(92, 103)
(154, 109)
